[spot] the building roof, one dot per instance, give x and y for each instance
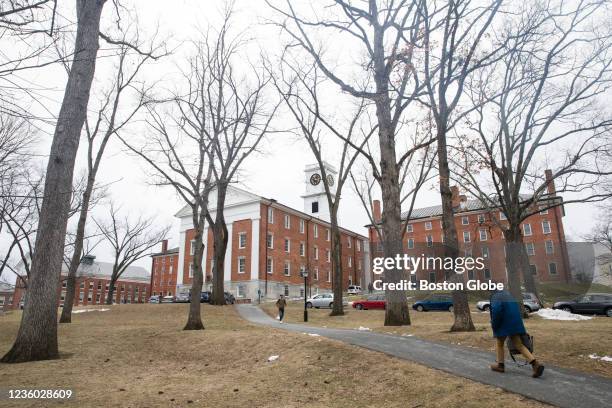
(167, 252)
(6, 287)
(105, 270)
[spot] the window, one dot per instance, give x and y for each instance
(350, 262)
(82, 285)
(481, 218)
(358, 246)
(287, 268)
(546, 227)
(242, 239)
(97, 298)
(413, 278)
(287, 221)
(466, 236)
(502, 216)
(270, 265)
(241, 291)
(483, 234)
(81, 296)
(302, 270)
(328, 256)
(428, 225)
(487, 273)
(550, 247)
(543, 210)
(270, 240)
(270, 215)
(315, 274)
(286, 290)
(533, 269)
(327, 235)
(99, 285)
(302, 226)
(191, 270)
(349, 242)
(329, 276)
(302, 249)
(552, 268)
(530, 248)
(485, 252)
(429, 241)
(64, 284)
(410, 243)
(316, 252)
(465, 220)
(359, 264)
(89, 297)
(192, 247)
(527, 230)
(432, 276)
(314, 207)
(241, 264)
(409, 228)
(287, 245)
(471, 274)
(315, 229)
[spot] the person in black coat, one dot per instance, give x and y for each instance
(506, 321)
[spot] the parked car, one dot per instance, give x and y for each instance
(591, 303)
(354, 290)
(154, 299)
(229, 298)
(182, 298)
(434, 302)
(325, 300)
(371, 302)
(204, 297)
(530, 302)
(167, 299)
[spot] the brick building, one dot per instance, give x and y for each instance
(270, 245)
(93, 280)
(6, 296)
(479, 236)
(164, 267)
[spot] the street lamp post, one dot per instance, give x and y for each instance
(305, 275)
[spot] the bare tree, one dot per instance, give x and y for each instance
(450, 55)
(386, 34)
(300, 90)
(131, 239)
(112, 116)
(602, 232)
(538, 108)
(37, 335)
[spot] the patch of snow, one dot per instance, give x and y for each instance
(407, 335)
(90, 310)
(602, 358)
(272, 358)
(553, 314)
(364, 328)
(314, 334)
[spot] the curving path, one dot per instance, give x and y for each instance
(558, 386)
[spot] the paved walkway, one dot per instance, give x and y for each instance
(558, 386)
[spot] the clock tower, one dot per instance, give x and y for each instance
(315, 200)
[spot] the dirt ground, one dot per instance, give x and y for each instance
(563, 343)
(138, 356)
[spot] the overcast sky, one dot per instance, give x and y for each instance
(277, 173)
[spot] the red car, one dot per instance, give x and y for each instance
(372, 302)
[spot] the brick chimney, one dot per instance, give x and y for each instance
(376, 212)
(164, 245)
(550, 183)
(456, 196)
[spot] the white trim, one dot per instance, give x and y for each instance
(255, 248)
(227, 268)
(181, 261)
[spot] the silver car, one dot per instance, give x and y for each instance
(325, 300)
(529, 303)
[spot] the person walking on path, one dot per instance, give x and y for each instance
(370, 288)
(280, 304)
(506, 321)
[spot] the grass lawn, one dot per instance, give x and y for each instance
(138, 356)
(563, 343)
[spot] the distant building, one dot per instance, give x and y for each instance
(93, 280)
(6, 296)
(164, 266)
(269, 246)
(479, 236)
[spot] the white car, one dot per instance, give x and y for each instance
(354, 290)
(323, 300)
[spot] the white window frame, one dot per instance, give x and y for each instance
(328, 255)
(409, 228)
(315, 230)
(349, 242)
(287, 268)
(358, 245)
(550, 272)
(410, 243)
(465, 220)
(287, 221)
(552, 246)
(544, 231)
(530, 248)
(302, 226)
(327, 234)
(350, 262)
(429, 240)
(270, 242)
(502, 216)
(287, 245)
(191, 247)
(526, 227)
(241, 264)
(428, 226)
(485, 252)
(241, 244)
(543, 212)
(469, 236)
(486, 235)
(270, 265)
(191, 269)
(316, 274)
(270, 215)
(302, 249)
(328, 276)
(316, 253)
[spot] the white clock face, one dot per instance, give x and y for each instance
(330, 180)
(315, 179)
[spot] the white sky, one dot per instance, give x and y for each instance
(276, 174)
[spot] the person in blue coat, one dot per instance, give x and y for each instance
(507, 321)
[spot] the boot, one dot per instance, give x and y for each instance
(538, 369)
(499, 367)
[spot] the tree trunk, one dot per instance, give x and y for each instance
(194, 319)
(220, 240)
(75, 261)
(37, 335)
(337, 273)
(461, 307)
(111, 291)
(513, 261)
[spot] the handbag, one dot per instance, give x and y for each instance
(527, 341)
